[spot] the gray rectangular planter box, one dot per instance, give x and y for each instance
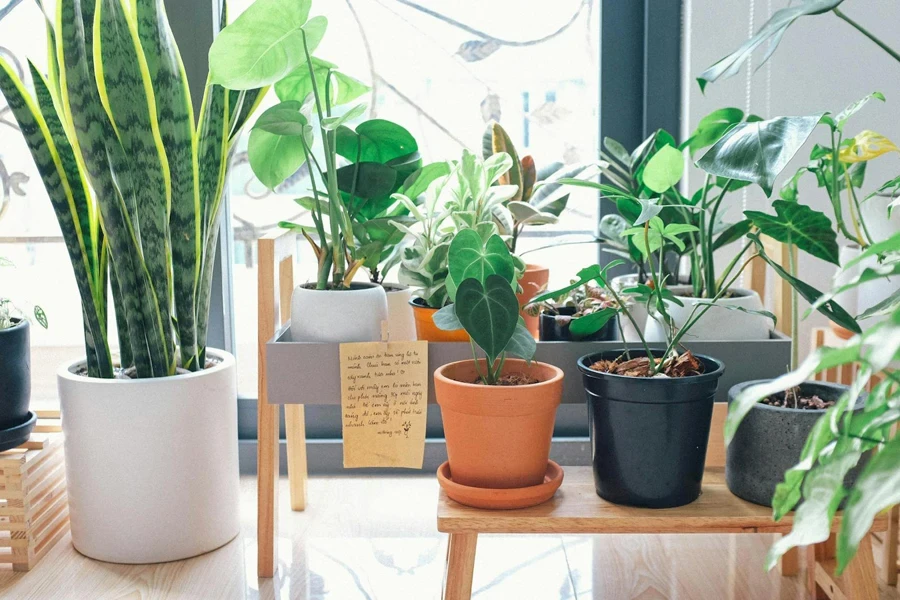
(309, 373)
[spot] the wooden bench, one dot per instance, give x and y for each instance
(576, 509)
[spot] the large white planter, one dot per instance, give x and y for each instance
(353, 315)
(401, 322)
(151, 464)
(719, 323)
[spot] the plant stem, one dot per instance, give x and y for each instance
(858, 219)
(835, 192)
(795, 312)
(727, 272)
(868, 34)
(702, 236)
(710, 266)
(625, 310)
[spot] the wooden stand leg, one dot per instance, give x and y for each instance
(790, 563)
(460, 566)
(889, 548)
(857, 582)
(295, 426)
(267, 490)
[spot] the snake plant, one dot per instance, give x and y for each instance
(135, 181)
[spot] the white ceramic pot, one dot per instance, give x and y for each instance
(151, 464)
(719, 323)
(638, 311)
(401, 322)
(353, 315)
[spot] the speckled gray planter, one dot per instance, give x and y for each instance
(769, 442)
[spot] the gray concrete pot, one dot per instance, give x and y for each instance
(770, 441)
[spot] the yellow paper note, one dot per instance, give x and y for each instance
(384, 393)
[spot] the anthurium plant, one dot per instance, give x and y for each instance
(484, 302)
(465, 199)
(136, 185)
(540, 197)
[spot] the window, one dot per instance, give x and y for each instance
(443, 70)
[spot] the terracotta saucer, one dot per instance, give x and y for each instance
(502, 498)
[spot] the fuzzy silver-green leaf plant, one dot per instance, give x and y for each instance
(136, 183)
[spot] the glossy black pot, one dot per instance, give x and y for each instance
(15, 385)
(649, 435)
(555, 328)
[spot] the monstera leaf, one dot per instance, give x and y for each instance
(758, 151)
(772, 31)
(489, 313)
(799, 225)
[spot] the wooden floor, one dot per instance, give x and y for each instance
(376, 538)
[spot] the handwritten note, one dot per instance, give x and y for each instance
(384, 392)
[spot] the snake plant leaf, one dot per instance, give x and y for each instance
(375, 140)
(298, 85)
(664, 169)
(175, 116)
(469, 257)
(758, 151)
(522, 343)
(772, 32)
(798, 225)
(489, 313)
(876, 489)
(264, 44)
(66, 190)
(126, 92)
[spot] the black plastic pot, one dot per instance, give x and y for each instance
(555, 328)
(770, 440)
(649, 435)
(15, 385)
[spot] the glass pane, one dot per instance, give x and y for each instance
(29, 233)
(443, 70)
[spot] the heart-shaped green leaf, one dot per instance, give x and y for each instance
(469, 257)
(285, 119)
(758, 151)
(297, 85)
(489, 313)
(664, 169)
(274, 158)
(375, 140)
(799, 225)
(373, 180)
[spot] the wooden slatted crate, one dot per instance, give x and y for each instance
(34, 513)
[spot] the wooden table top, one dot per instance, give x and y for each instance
(576, 508)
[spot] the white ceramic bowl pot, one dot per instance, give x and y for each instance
(353, 315)
(401, 322)
(719, 323)
(151, 464)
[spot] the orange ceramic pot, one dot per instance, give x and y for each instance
(533, 282)
(498, 436)
(427, 331)
(841, 332)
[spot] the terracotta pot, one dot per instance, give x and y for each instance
(498, 436)
(533, 282)
(427, 331)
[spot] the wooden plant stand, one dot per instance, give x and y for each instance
(34, 514)
(576, 509)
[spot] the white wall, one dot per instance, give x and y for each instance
(822, 64)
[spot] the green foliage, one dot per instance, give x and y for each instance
(536, 202)
(485, 302)
(465, 199)
(798, 225)
(113, 135)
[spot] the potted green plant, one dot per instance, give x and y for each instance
(498, 412)
(539, 200)
(16, 420)
(150, 438)
(556, 315)
(649, 410)
(464, 199)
